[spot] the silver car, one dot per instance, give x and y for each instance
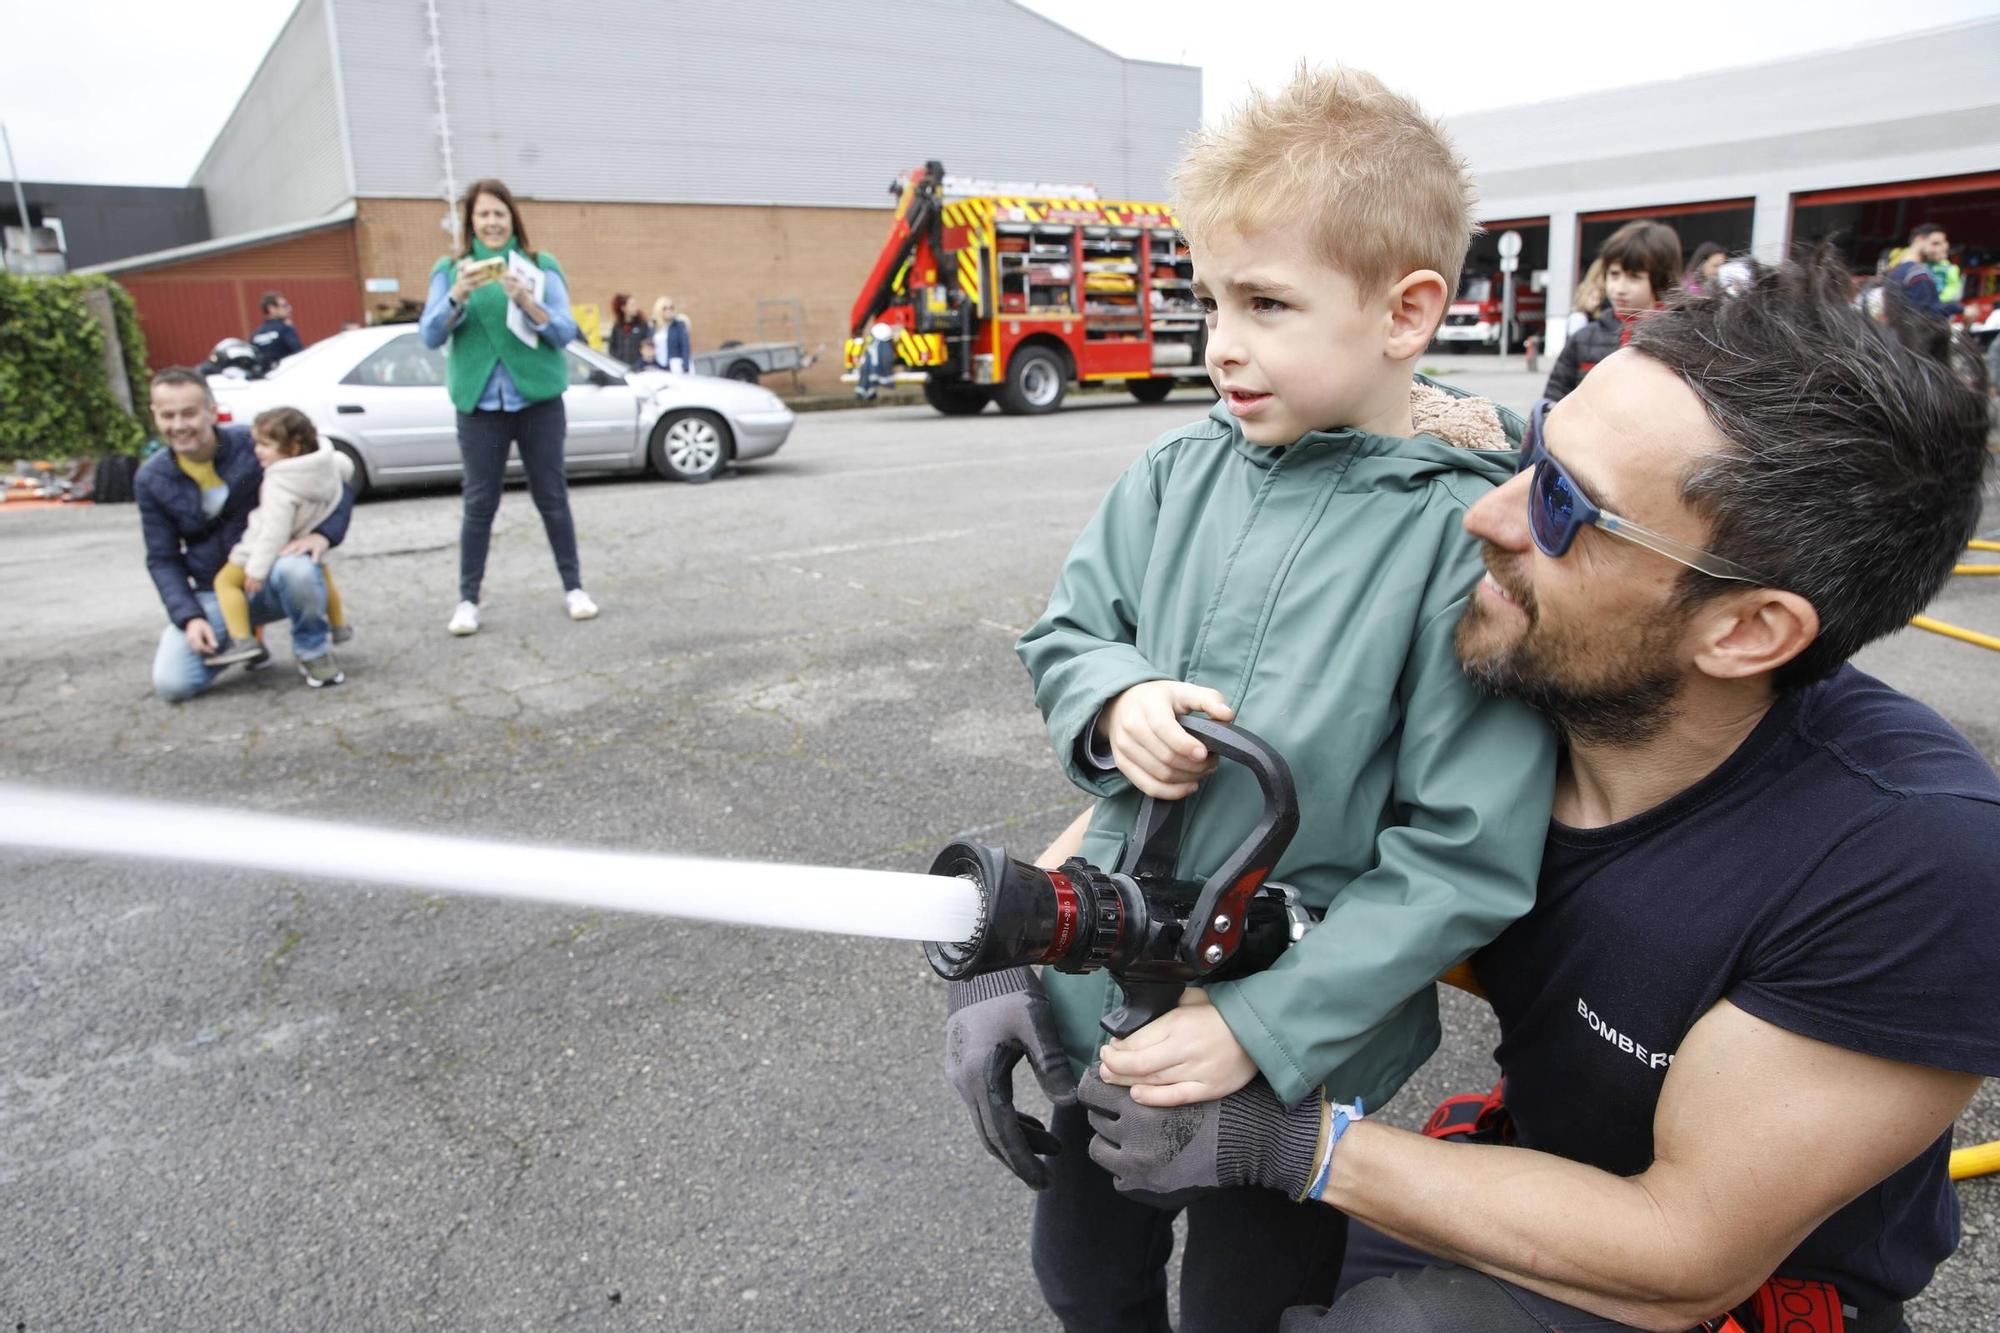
(378, 395)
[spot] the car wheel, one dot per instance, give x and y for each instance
(1153, 390)
(689, 446)
(955, 399)
(359, 482)
(1036, 382)
(743, 370)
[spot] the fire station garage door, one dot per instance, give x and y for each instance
(1869, 221)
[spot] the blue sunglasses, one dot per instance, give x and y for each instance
(1558, 509)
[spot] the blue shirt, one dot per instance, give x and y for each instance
(1834, 877)
(441, 317)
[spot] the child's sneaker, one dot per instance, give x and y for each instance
(465, 620)
(580, 605)
(249, 652)
(342, 633)
(322, 671)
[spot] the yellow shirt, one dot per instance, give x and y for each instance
(214, 491)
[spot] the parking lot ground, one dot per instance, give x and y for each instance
(235, 1101)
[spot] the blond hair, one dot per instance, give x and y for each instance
(1376, 181)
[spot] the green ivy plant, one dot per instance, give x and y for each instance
(54, 401)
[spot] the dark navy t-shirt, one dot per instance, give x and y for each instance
(1837, 878)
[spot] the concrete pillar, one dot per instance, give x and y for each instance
(99, 304)
(1770, 225)
(1560, 292)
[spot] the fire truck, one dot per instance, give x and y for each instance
(1011, 294)
(1474, 315)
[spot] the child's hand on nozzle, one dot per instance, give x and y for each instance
(1148, 743)
(1188, 1055)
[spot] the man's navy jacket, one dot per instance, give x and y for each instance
(185, 548)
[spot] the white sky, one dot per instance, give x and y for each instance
(133, 91)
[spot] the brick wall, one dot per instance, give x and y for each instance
(715, 261)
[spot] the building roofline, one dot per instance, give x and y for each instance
(1620, 90)
(298, 8)
(224, 244)
(1074, 35)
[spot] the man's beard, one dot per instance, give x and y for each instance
(1622, 694)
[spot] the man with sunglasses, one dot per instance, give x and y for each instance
(1760, 981)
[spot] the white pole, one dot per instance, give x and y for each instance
(20, 196)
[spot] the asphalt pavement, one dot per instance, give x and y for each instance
(240, 1101)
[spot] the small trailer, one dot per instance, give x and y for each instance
(772, 351)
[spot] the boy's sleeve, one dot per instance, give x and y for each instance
(334, 526)
(1083, 651)
(1473, 786)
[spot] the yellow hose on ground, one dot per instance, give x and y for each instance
(1980, 544)
(1981, 1159)
(1975, 569)
(1954, 632)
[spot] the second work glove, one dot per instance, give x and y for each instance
(1168, 1155)
(990, 1023)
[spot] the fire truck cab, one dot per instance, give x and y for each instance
(1474, 315)
(1012, 293)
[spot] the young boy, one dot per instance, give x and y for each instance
(1642, 262)
(1297, 563)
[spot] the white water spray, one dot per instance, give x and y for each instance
(884, 904)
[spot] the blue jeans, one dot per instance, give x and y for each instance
(294, 591)
(484, 438)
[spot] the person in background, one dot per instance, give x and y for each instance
(1589, 298)
(195, 494)
(628, 330)
(508, 393)
(304, 481)
(1708, 257)
(673, 342)
(1929, 280)
(275, 339)
(1642, 263)
(877, 365)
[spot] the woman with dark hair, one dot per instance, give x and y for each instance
(501, 311)
(628, 330)
(1708, 257)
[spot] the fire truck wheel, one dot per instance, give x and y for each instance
(1153, 390)
(1036, 381)
(689, 446)
(956, 400)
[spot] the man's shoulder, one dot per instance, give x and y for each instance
(1892, 743)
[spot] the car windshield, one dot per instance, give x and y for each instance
(597, 360)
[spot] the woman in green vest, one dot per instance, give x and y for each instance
(509, 392)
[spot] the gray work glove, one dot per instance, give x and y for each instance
(990, 1023)
(1167, 1155)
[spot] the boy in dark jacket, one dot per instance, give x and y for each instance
(1295, 561)
(1642, 262)
(195, 497)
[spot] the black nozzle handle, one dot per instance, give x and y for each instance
(1156, 843)
(1144, 1002)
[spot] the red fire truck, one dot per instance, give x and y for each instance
(997, 293)
(1474, 315)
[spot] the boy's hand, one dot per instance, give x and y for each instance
(251, 587)
(1187, 1056)
(1148, 743)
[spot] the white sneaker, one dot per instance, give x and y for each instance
(580, 605)
(465, 620)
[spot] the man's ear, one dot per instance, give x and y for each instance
(1414, 308)
(1752, 633)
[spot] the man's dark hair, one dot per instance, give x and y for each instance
(183, 375)
(1651, 248)
(1923, 229)
(1855, 447)
(271, 299)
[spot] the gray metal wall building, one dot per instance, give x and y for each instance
(784, 102)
